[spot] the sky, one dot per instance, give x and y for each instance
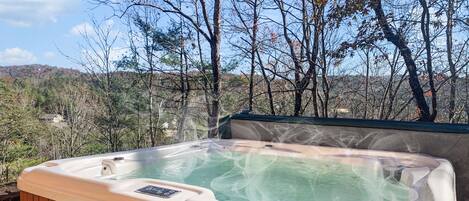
(41, 31)
(37, 31)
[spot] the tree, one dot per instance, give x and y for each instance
(97, 60)
(398, 40)
(324, 72)
(211, 31)
(452, 66)
(425, 29)
(251, 30)
(146, 51)
(20, 131)
(301, 48)
(75, 100)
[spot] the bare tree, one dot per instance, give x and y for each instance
(78, 106)
(324, 73)
(307, 47)
(184, 86)
(245, 17)
(148, 54)
(211, 32)
(466, 102)
(97, 60)
(449, 53)
(367, 81)
(398, 40)
(425, 29)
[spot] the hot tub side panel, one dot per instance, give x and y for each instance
(451, 146)
(25, 196)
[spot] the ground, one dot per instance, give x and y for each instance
(9, 192)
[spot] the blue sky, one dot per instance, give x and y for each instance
(33, 31)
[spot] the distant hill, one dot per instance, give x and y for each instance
(36, 71)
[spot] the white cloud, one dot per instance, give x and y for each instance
(83, 28)
(16, 56)
(25, 13)
(86, 28)
(49, 55)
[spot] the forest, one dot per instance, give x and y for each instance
(187, 63)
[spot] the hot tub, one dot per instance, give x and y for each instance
(241, 170)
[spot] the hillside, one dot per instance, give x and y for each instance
(36, 71)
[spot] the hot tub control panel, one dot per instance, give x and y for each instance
(157, 191)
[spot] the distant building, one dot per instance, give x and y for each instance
(52, 118)
(342, 110)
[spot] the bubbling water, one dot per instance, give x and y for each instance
(237, 176)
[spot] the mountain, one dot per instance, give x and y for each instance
(36, 71)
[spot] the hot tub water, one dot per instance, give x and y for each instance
(239, 176)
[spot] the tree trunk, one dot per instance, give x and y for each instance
(425, 28)
(311, 55)
(452, 66)
(267, 83)
(149, 56)
(150, 104)
(151, 119)
(367, 54)
(466, 103)
(398, 40)
(183, 68)
(388, 92)
(298, 100)
(325, 82)
(253, 54)
(139, 133)
(216, 66)
(296, 61)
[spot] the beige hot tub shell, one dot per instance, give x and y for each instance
(82, 179)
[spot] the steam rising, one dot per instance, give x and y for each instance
(250, 176)
(255, 176)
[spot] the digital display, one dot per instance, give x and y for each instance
(157, 191)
